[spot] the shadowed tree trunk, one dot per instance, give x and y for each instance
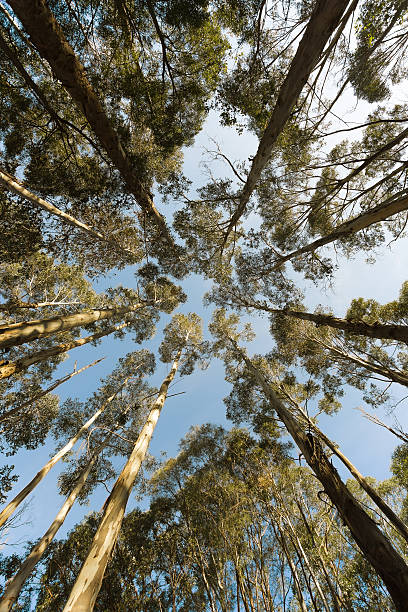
(88, 582)
(373, 544)
(380, 213)
(357, 328)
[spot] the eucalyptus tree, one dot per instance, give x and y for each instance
(233, 515)
(24, 370)
(363, 528)
(183, 335)
(144, 92)
(119, 416)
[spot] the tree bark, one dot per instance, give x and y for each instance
(25, 331)
(48, 38)
(89, 580)
(392, 375)
(57, 383)
(323, 21)
(281, 539)
(13, 505)
(357, 328)
(14, 367)
(12, 184)
(373, 544)
(380, 213)
(15, 585)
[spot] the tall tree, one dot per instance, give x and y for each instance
(183, 333)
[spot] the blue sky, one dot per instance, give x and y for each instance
(368, 446)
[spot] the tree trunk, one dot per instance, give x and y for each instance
(8, 368)
(357, 328)
(89, 580)
(398, 524)
(380, 213)
(298, 589)
(13, 505)
(57, 383)
(322, 23)
(12, 184)
(26, 331)
(47, 36)
(392, 375)
(373, 544)
(15, 585)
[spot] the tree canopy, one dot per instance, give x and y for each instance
(111, 240)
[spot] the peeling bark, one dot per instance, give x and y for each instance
(373, 544)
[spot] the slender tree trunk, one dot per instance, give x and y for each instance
(296, 580)
(48, 37)
(392, 375)
(15, 585)
(303, 554)
(89, 580)
(8, 368)
(337, 603)
(357, 328)
(13, 505)
(324, 20)
(12, 184)
(373, 544)
(26, 331)
(380, 213)
(57, 383)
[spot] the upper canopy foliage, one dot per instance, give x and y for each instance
(100, 104)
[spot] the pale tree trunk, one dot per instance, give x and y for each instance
(15, 585)
(26, 331)
(302, 552)
(357, 328)
(47, 36)
(13, 505)
(57, 383)
(324, 20)
(296, 580)
(373, 544)
(380, 213)
(8, 368)
(338, 604)
(12, 184)
(89, 580)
